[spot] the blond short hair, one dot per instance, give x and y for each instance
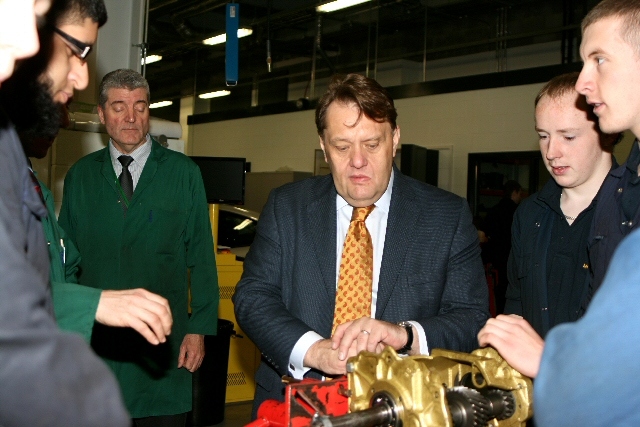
(558, 87)
(627, 10)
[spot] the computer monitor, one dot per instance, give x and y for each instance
(223, 178)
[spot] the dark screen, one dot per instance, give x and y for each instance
(223, 178)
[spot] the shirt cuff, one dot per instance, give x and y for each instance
(296, 360)
(422, 337)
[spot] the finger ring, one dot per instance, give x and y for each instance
(365, 332)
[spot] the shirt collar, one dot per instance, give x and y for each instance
(140, 152)
(383, 202)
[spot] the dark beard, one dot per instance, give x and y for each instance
(26, 100)
(31, 108)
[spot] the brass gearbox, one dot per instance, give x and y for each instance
(446, 389)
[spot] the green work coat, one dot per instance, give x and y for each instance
(75, 305)
(163, 236)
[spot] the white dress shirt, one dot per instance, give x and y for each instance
(376, 223)
(139, 155)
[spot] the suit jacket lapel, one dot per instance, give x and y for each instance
(321, 217)
(401, 221)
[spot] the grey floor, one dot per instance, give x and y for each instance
(236, 414)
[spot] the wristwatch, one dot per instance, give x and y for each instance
(407, 347)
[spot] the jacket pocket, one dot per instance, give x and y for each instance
(166, 230)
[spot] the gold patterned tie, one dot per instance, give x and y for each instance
(355, 284)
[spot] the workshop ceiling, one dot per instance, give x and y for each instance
(355, 39)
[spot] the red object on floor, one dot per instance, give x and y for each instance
(303, 399)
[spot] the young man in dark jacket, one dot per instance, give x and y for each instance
(548, 264)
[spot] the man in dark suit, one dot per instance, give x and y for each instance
(429, 289)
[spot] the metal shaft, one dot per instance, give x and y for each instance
(376, 416)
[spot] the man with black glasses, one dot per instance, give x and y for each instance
(48, 80)
(47, 378)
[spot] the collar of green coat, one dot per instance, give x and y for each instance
(158, 152)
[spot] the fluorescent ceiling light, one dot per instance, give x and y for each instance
(244, 32)
(222, 38)
(338, 4)
(214, 94)
(150, 59)
(160, 104)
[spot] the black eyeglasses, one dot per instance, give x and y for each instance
(80, 49)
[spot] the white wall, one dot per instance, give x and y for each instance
(268, 142)
(474, 121)
(490, 120)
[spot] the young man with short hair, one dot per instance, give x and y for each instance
(47, 378)
(36, 100)
(586, 367)
(548, 282)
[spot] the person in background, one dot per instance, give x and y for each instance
(360, 259)
(497, 228)
(617, 213)
(35, 101)
(138, 214)
(548, 265)
(581, 364)
(47, 377)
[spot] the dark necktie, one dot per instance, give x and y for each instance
(126, 181)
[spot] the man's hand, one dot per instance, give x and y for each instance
(191, 352)
(323, 357)
(516, 341)
(146, 312)
(368, 334)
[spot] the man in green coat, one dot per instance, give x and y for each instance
(138, 214)
(78, 308)
(35, 101)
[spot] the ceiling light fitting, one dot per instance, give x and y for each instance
(150, 59)
(160, 104)
(332, 6)
(215, 94)
(222, 38)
